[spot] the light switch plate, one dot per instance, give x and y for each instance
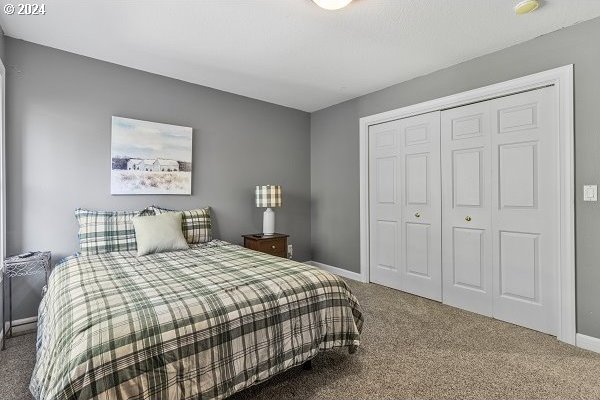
(590, 193)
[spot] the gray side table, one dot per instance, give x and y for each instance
(16, 266)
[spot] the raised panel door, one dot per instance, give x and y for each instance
(384, 205)
(525, 204)
(421, 205)
(466, 208)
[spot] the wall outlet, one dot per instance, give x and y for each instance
(590, 193)
(290, 251)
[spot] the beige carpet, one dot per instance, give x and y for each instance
(412, 348)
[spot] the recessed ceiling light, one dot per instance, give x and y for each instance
(526, 6)
(332, 4)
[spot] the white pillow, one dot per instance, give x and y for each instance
(159, 233)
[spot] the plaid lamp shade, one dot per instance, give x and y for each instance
(268, 196)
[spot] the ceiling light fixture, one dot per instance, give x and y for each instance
(526, 6)
(332, 4)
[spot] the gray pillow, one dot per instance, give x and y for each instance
(159, 233)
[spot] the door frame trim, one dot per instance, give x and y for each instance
(2, 167)
(562, 78)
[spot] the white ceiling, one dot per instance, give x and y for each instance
(290, 52)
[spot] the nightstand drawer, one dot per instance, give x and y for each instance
(275, 244)
(276, 247)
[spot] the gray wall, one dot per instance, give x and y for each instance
(59, 108)
(335, 146)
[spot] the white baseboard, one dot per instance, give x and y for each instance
(344, 273)
(587, 342)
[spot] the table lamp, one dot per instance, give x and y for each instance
(268, 196)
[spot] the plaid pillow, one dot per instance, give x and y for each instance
(195, 224)
(107, 231)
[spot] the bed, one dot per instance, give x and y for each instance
(200, 323)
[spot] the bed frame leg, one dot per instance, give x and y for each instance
(352, 349)
(307, 366)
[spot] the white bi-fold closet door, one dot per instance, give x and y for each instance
(405, 199)
(473, 221)
(500, 235)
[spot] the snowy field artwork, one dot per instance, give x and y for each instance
(150, 158)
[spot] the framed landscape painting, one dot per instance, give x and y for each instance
(150, 158)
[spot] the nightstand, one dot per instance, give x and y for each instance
(275, 244)
(27, 264)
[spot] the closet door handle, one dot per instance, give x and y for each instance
(417, 215)
(468, 218)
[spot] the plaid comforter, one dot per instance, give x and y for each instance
(200, 323)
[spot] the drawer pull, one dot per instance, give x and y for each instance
(468, 218)
(273, 247)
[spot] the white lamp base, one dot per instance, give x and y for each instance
(268, 222)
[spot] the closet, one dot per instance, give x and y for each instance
(464, 206)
